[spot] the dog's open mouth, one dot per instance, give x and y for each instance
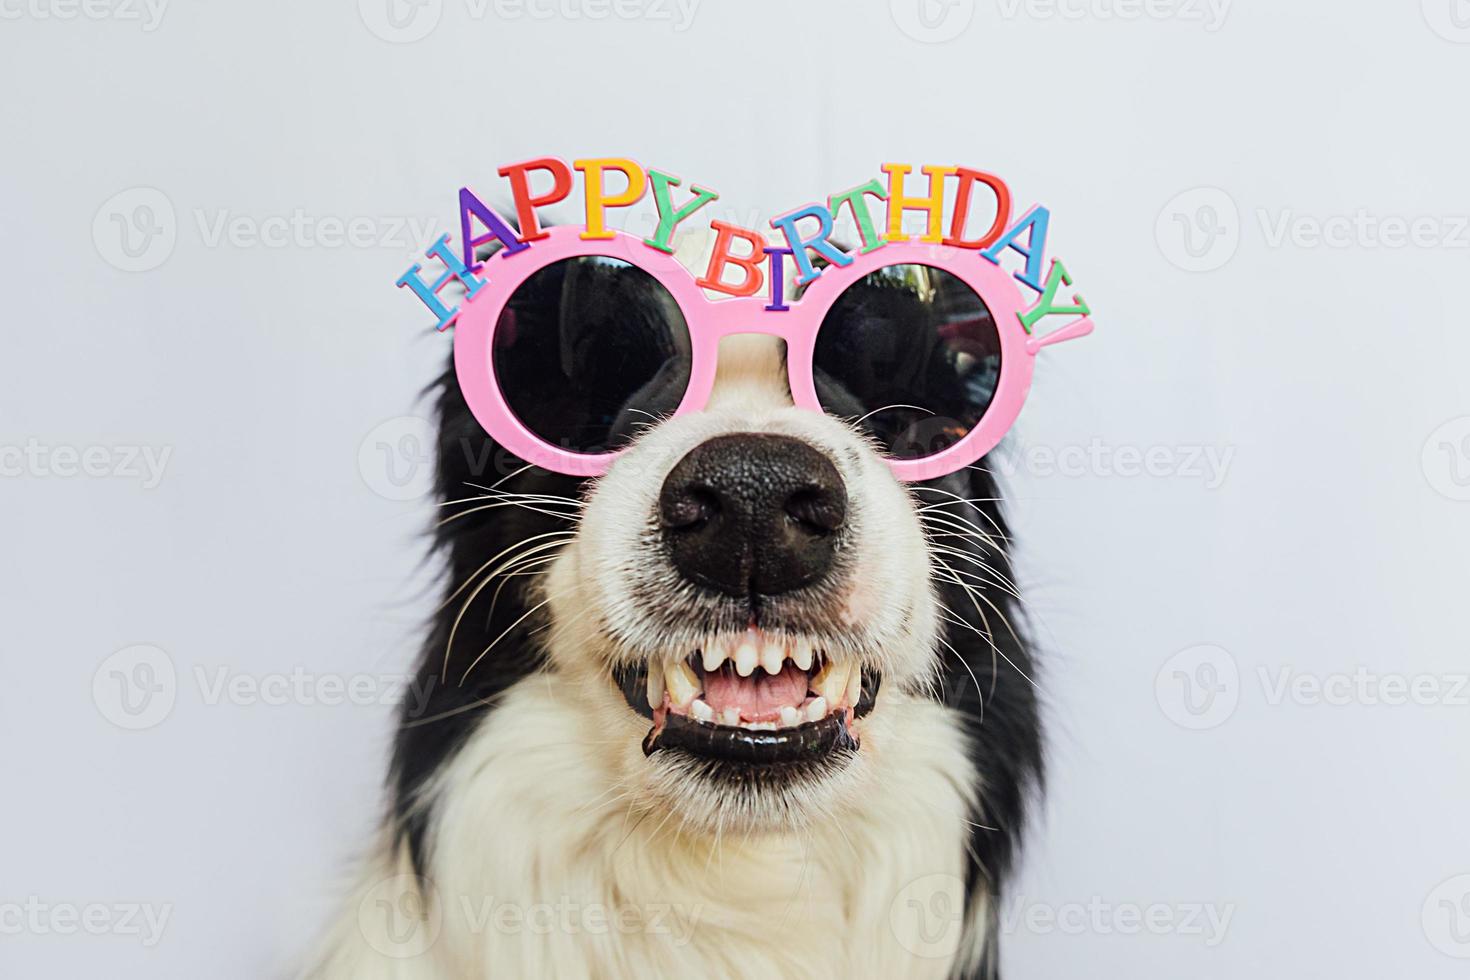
(753, 699)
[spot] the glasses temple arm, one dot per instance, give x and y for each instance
(1080, 327)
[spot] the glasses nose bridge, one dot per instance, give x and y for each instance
(751, 319)
(750, 315)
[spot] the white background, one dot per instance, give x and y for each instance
(1331, 377)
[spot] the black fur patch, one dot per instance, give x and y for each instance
(459, 694)
(987, 687)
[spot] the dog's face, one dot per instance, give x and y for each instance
(743, 585)
(748, 623)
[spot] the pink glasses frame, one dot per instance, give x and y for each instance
(709, 320)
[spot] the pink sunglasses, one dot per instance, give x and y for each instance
(487, 323)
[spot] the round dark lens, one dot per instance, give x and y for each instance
(911, 354)
(587, 349)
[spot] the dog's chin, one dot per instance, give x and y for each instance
(751, 729)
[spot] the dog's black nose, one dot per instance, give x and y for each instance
(753, 514)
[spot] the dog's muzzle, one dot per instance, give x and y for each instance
(748, 517)
(752, 700)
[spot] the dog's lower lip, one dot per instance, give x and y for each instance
(804, 743)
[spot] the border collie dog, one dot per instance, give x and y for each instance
(745, 706)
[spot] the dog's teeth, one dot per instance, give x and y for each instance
(730, 716)
(801, 654)
(761, 726)
(831, 681)
(712, 656)
(682, 684)
(790, 716)
(699, 710)
(772, 657)
(746, 657)
(854, 687)
(817, 710)
(655, 684)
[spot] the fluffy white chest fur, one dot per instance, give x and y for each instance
(540, 867)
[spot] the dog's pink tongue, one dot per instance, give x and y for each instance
(759, 697)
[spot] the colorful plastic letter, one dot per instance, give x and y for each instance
(520, 189)
(898, 202)
(856, 199)
(1034, 223)
(722, 256)
(668, 216)
(596, 196)
(471, 207)
(778, 279)
(1055, 279)
(968, 178)
(428, 293)
(818, 243)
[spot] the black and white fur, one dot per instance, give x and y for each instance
(523, 812)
